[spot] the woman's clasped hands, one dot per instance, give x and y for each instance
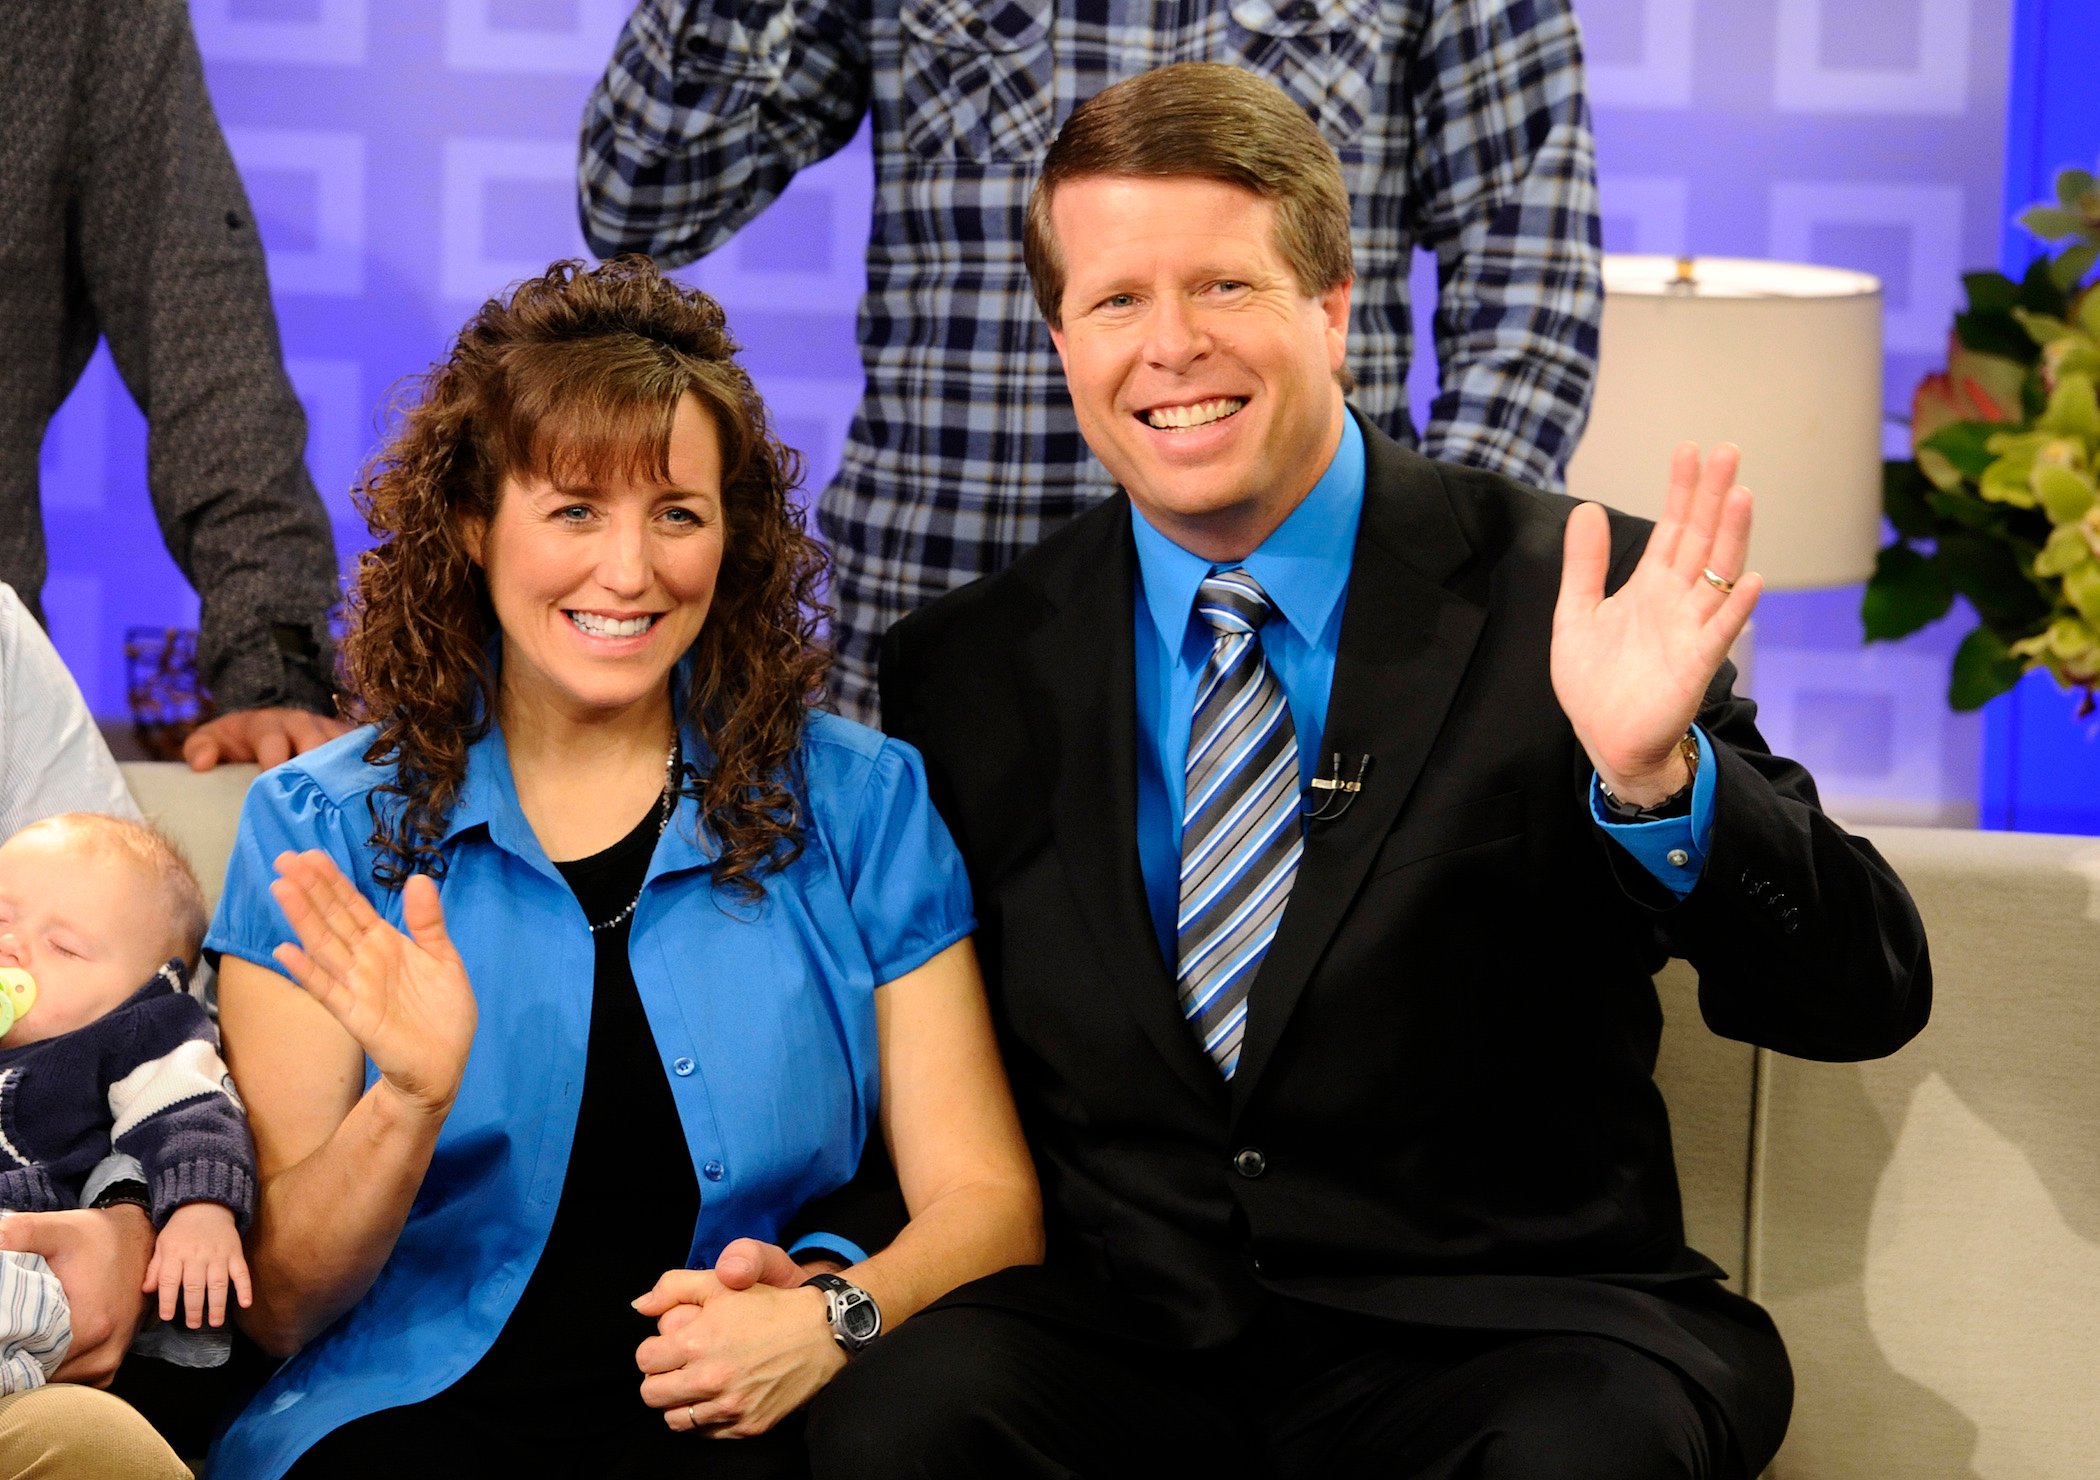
(731, 1362)
(405, 998)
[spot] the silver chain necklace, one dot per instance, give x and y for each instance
(663, 820)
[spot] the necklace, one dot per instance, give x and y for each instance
(663, 820)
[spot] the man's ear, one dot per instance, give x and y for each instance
(1334, 306)
(1057, 337)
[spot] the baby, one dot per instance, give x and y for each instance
(100, 1048)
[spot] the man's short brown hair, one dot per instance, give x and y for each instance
(1200, 121)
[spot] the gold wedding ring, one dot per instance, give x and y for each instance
(692, 1417)
(1719, 582)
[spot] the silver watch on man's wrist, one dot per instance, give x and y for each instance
(855, 1318)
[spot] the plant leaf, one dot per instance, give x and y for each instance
(1983, 669)
(2042, 328)
(2074, 410)
(2039, 292)
(2072, 186)
(1992, 574)
(2070, 268)
(1991, 332)
(1903, 490)
(1967, 511)
(2082, 590)
(1990, 292)
(1906, 591)
(2051, 223)
(1966, 444)
(2065, 494)
(2066, 551)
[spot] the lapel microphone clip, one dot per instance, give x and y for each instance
(1336, 795)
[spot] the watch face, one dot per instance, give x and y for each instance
(860, 1320)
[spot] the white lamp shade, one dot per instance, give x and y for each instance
(1780, 358)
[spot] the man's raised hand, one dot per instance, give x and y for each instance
(1630, 669)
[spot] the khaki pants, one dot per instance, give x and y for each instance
(64, 1431)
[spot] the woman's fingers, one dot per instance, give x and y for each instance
(425, 916)
(679, 1287)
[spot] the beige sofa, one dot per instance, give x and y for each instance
(1926, 1229)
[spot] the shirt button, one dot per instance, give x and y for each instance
(681, 1067)
(1678, 857)
(713, 1171)
(1250, 1163)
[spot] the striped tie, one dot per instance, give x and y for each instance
(1241, 837)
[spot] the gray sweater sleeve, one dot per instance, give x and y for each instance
(173, 273)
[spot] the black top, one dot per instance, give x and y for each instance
(628, 1203)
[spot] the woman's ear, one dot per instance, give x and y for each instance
(473, 533)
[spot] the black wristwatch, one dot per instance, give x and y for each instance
(855, 1318)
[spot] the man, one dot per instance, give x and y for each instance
(1462, 127)
(1327, 820)
(126, 221)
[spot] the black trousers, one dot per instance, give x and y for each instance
(466, 1442)
(969, 1391)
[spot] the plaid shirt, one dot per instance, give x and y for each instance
(1461, 125)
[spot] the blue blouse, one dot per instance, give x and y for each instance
(763, 1011)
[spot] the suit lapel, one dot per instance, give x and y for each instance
(1405, 644)
(1081, 677)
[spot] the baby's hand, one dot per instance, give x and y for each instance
(198, 1249)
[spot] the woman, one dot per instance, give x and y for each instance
(606, 942)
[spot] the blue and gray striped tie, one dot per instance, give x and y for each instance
(1241, 835)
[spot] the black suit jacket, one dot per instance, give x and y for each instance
(1447, 1069)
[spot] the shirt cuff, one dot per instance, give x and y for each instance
(1673, 850)
(829, 1243)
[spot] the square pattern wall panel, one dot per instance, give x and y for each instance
(1638, 52)
(318, 33)
(502, 217)
(314, 231)
(1911, 240)
(570, 38)
(1835, 56)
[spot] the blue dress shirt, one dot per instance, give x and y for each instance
(1304, 566)
(763, 1012)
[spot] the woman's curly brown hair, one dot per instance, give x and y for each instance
(576, 377)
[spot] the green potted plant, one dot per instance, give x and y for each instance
(1999, 501)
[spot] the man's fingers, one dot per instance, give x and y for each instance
(1585, 560)
(1677, 501)
(32, 1233)
(1731, 547)
(1726, 625)
(1694, 551)
(201, 751)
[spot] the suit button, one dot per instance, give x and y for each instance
(1678, 857)
(1249, 1162)
(1254, 1262)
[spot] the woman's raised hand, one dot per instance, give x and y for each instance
(404, 998)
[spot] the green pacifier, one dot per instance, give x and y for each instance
(17, 996)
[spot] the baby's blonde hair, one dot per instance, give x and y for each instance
(160, 856)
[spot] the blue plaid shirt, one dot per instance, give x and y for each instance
(1461, 125)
